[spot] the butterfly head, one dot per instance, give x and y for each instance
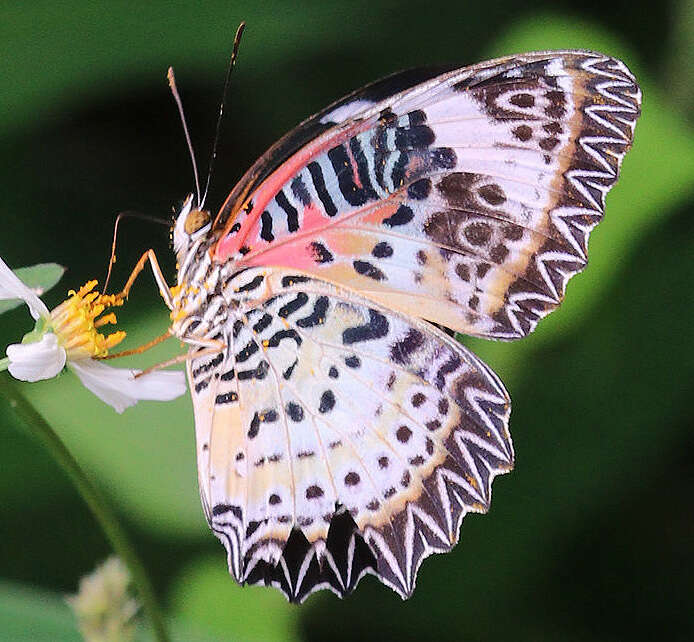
(192, 224)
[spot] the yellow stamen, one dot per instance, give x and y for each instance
(75, 322)
(109, 318)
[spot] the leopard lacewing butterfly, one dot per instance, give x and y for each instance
(339, 430)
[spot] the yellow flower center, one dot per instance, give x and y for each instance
(75, 322)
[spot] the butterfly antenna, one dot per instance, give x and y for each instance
(120, 216)
(232, 62)
(179, 104)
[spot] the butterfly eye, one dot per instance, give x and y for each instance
(195, 220)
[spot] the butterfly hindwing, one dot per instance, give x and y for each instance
(466, 199)
(337, 437)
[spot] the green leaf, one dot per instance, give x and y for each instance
(32, 615)
(205, 595)
(33, 89)
(29, 614)
(39, 278)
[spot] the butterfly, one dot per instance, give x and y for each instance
(340, 429)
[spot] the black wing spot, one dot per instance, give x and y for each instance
(259, 372)
(262, 323)
(313, 492)
(317, 317)
(419, 190)
(416, 137)
(291, 307)
(288, 281)
(353, 362)
(493, 193)
(417, 117)
(251, 285)
(327, 402)
(397, 175)
(343, 171)
(523, 133)
(289, 333)
(299, 190)
(418, 399)
(292, 215)
(206, 367)
(443, 405)
(227, 397)
(401, 351)
(269, 416)
(266, 227)
(319, 183)
(369, 270)
(295, 411)
(403, 434)
(376, 328)
(320, 253)
(443, 158)
(522, 100)
(402, 216)
(220, 509)
(288, 372)
(382, 250)
(254, 427)
(250, 349)
(352, 479)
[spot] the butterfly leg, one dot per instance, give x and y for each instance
(143, 348)
(209, 346)
(164, 290)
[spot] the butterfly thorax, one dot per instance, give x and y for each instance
(209, 293)
(197, 299)
(198, 302)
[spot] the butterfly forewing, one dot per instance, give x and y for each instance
(467, 200)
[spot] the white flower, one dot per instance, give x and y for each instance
(69, 335)
(12, 288)
(42, 359)
(118, 387)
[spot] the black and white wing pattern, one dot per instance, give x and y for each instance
(337, 437)
(341, 432)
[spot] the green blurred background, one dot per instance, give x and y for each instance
(590, 538)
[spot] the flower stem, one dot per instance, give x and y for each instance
(4, 363)
(97, 503)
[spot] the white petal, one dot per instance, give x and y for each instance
(118, 387)
(35, 361)
(12, 288)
